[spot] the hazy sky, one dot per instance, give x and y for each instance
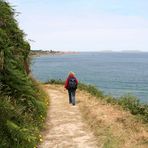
(84, 25)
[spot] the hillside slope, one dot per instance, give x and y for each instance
(22, 102)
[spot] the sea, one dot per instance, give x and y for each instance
(115, 73)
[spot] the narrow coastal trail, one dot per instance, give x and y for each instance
(64, 126)
(70, 126)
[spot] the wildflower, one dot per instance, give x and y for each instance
(41, 139)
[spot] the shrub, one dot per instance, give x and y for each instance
(129, 102)
(133, 104)
(91, 89)
(53, 81)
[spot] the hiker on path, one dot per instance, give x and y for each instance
(71, 85)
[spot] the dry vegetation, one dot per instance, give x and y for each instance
(112, 126)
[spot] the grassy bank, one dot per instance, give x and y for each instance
(112, 125)
(22, 120)
(23, 103)
(127, 102)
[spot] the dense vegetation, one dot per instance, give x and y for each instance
(44, 52)
(22, 102)
(128, 102)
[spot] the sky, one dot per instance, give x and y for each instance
(84, 25)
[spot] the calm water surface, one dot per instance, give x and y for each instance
(114, 73)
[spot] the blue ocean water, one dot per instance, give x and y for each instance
(114, 73)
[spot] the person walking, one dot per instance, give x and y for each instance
(71, 85)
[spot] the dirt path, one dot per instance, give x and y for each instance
(64, 126)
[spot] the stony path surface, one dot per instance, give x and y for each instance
(64, 126)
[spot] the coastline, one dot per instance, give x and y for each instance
(38, 53)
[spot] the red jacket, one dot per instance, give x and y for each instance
(67, 80)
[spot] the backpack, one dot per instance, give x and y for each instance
(72, 83)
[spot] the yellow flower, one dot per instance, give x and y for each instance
(41, 139)
(40, 136)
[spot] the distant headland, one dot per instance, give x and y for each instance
(49, 52)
